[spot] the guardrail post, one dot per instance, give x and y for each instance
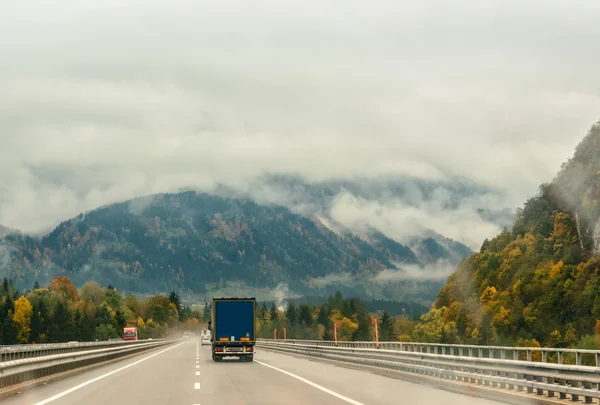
(493, 374)
(529, 355)
(479, 376)
(586, 399)
(578, 358)
(470, 352)
(597, 359)
(560, 357)
(562, 382)
(544, 356)
(480, 352)
(503, 375)
(539, 391)
(550, 380)
(575, 397)
(529, 379)
(520, 386)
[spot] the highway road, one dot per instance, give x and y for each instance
(184, 374)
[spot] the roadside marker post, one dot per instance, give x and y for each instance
(375, 323)
(335, 326)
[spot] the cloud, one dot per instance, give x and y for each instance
(138, 205)
(197, 94)
(401, 221)
(5, 259)
(435, 271)
(281, 294)
(342, 279)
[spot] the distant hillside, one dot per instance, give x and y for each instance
(540, 280)
(393, 308)
(194, 242)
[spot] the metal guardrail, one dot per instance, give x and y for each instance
(544, 354)
(552, 380)
(15, 352)
(29, 362)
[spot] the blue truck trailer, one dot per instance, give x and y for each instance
(233, 328)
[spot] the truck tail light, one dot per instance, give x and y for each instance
(218, 349)
(249, 349)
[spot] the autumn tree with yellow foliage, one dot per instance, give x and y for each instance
(22, 318)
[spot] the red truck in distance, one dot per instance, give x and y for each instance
(130, 334)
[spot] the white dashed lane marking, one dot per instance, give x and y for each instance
(196, 386)
(317, 386)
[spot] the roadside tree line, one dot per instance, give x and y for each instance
(60, 312)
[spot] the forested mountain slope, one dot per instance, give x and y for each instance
(540, 280)
(195, 242)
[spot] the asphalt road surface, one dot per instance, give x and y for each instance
(184, 374)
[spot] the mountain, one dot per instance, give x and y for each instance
(541, 279)
(197, 242)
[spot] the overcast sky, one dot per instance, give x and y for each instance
(106, 100)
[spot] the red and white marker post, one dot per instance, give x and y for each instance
(374, 322)
(335, 326)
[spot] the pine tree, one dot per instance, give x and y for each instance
(36, 325)
(86, 329)
(102, 315)
(323, 316)
(305, 315)
(61, 324)
(174, 298)
(363, 332)
(323, 319)
(8, 327)
(264, 312)
(120, 320)
(290, 313)
(77, 325)
(274, 313)
(206, 315)
(3, 316)
(387, 328)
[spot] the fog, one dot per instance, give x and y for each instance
(106, 101)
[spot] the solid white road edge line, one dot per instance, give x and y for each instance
(197, 372)
(317, 386)
(197, 386)
(93, 380)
